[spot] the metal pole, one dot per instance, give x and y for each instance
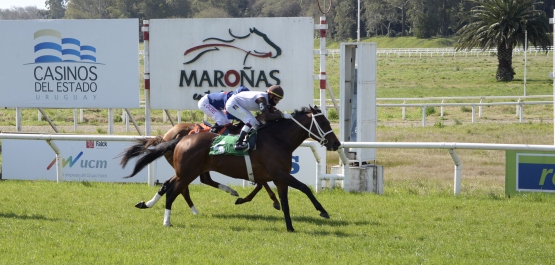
(552, 20)
(358, 22)
(525, 52)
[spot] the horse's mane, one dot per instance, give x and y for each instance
(296, 114)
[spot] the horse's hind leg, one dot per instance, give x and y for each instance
(179, 186)
(167, 185)
(207, 180)
(187, 197)
(256, 190)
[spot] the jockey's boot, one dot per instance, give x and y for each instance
(216, 128)
(242, 143)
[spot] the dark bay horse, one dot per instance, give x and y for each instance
(271, 160)
(180, 130)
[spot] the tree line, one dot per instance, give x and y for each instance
(420, 18)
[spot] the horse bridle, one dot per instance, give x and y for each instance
(321, 134)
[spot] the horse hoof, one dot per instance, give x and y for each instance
(325, 215)
(276, 206)
(239, 201)
(291, 230)
(234, 193)
(168, 224)
(141, 205)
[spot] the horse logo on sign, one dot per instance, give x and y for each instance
(214, 44)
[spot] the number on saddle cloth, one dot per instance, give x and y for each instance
(224, 145)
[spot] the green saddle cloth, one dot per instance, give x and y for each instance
(225, 145)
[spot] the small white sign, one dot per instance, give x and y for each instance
(192, 57)
(69, 63)
(81, 161)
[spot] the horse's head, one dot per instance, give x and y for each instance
(319, 129)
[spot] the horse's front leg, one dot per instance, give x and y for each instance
(207, 180)
(295, 183)
(167, 185)
(282, 193)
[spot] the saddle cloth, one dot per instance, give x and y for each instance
(225, 145)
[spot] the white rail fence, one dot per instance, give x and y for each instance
(321, 165)
(445, 52)
(451, 147)
(434, 52)
(476, 103)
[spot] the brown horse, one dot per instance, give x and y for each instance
(271, 160)
(180, 130)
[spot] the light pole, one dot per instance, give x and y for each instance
(525, 52)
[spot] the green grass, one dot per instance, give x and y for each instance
(96, 223)
(401, 42)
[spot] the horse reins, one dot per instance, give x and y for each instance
(321, 137)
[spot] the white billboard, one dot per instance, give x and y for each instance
(99, 161)
(81, 161)
(191, 57)
(69, 63)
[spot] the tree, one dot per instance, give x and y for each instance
(20, 13)
(501, 24)
(345, 19)
(56, 8)
(89, 9)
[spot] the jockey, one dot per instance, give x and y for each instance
(240, 105)
(213, 105)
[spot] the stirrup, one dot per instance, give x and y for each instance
(215, 128)
(241, 146)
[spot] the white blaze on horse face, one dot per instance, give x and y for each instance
(153, 201)
(194, 210)
(167, 214)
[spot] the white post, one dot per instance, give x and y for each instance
(552, 20)
(18, 119)
(424, 116)
(358, 22)
(323, 76)
(525, 52)
(74, 120)
(473, 112)
(458, 171)
(110, 121)
(146, 56)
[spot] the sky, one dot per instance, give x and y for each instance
(22, 3)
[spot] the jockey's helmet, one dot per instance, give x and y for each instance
(276, 91)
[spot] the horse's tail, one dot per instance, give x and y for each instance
(153, 154)
(138, 149)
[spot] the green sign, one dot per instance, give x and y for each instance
(529, 171)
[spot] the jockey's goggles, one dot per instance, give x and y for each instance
(280, 97)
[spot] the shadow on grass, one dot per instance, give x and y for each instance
(305, 219)
(25, 217)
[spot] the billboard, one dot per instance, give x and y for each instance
(99, 161)
(529, 171)
(69, 63)
(81, 161)
(192, 57)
